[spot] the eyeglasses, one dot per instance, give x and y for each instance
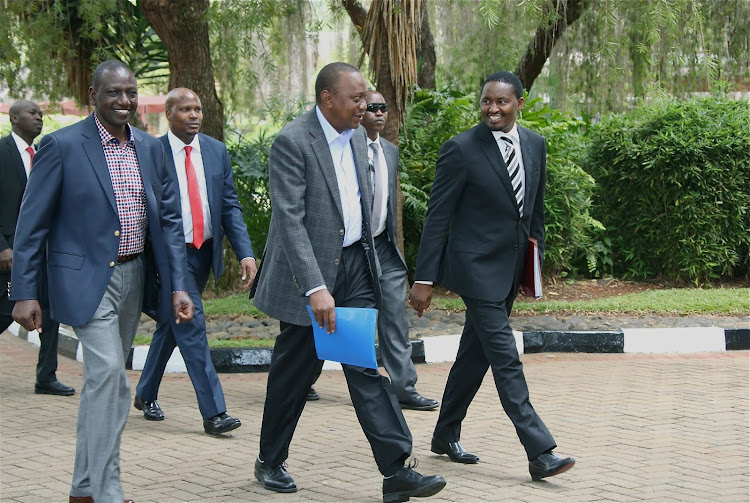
(374, 107)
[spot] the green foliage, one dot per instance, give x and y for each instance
(574, 241)
(673, 188)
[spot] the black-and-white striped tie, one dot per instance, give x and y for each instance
(514, 170)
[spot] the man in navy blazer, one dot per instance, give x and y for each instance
(16, 155)
(210, 207)
(486, 200)
(98, 192)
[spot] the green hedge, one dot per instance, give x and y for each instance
(674, 188)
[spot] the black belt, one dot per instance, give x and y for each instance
(122, 259)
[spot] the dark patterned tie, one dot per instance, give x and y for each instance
(514, 170)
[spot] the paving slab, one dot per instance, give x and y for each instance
(642, 427)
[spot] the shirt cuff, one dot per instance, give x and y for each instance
(247, 257)
(313, 290)
(424, 282)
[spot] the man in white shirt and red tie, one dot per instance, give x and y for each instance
(210, 208)
(16, 156)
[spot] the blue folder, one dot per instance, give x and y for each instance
(353, 342)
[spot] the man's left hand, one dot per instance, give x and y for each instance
(182, 306)
(248, 270)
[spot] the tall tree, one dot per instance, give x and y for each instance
(183, 27)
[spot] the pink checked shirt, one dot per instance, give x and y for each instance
(128, 187)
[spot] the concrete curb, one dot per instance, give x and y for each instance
(443, 348)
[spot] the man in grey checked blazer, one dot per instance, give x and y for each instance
(320, 252)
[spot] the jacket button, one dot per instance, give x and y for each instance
(336, 261)
(341, 232)
(111, 264)
(117, 233)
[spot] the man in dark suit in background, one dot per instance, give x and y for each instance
(486, 200)
(319, 252)
(98, 191)
(393, 325)
(16, 154)
(210, 208)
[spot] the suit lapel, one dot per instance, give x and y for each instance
(209, 162)
(17, 163)
(530, 166)
(325, 161)
(489, 147)
(92, 145)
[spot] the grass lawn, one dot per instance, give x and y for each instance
(675, 301)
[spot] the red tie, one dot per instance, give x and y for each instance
(196, 207)
(30, 150)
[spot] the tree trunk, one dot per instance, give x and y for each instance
(182, 26)
(545, 38)
(426, 53)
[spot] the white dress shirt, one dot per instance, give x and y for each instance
(21, 145)
(178, 154)
(346, 178)
(383, 180)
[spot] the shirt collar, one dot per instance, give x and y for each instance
(376, 140)
(107, 137)
(178, 144)
(20, 142)
(513, 133)
(331, 134)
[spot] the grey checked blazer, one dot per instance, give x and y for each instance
(306, 235)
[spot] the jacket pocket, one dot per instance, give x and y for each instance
(62, 259)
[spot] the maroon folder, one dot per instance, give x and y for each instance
(531, 284)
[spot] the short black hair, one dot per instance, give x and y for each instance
(19, 106)
(328, 77)
(507, 78)
(106, 66)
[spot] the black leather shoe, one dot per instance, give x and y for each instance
(312, 395)
(53, 388)
(274, 479)
(221, 424)
(151, 410)
(418, 402)
(454, 450)
(407, 483)
(547, 465)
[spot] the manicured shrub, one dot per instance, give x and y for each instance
(673, 188)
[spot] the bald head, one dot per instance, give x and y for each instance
(184, 113)
(26, 120)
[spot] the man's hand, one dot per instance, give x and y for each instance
(420, 297)
(28, 314)
(248, 270)
(324, 309)
(6, 259)
(182, 306)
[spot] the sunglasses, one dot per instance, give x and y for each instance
(374, 107)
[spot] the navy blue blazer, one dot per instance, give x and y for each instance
(69, 205)
(226, 212)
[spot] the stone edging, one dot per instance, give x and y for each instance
(443, 348)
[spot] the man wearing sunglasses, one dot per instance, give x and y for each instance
(393, 326)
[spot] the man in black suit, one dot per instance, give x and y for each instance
(210, 208)
(16, 154)
(486, 201)
(393, 325)
(319, 253)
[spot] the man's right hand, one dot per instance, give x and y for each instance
(420, 297)
(324, 309)
(6, 259)
(28, 314)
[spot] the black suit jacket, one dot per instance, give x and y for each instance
(12, 185)
(474, 240)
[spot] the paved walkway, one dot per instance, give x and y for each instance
(642, 428)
